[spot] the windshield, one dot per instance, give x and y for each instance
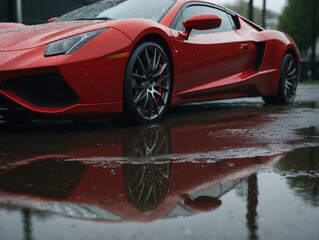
(121, 9)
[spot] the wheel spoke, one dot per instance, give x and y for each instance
(139, 77)
(288, 87)
(135, 86)
(154, 192)
(141, 192)
(161, 173)
(159, 73)
(159, 83)
(290, 64)
(149, 107)
(155, 141)
(290, 79)
(140, 96)
(148, 195)
(159, 96)
(160, 146)
(158, 60)
(146, 148)
(157, 93)
(148, 61)
(140, 181)
(156, 109)
(141, 65)
(145, 103)
(286, 66)
(160, 100)
(139, 151)
(154, 61)
(293, 72)
(152, 145)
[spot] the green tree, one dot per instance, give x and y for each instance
(296, 21)
(241, 7)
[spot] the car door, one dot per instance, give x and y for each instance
(208, 56)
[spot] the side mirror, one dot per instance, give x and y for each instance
(201, 204)
(202, 22)
(52, 19)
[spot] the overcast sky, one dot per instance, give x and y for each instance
(274, 5)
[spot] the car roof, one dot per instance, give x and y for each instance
(202, 1)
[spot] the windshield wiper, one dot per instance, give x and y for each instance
(97, 18)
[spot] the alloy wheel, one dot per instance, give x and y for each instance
(148, 80)
(290, 79)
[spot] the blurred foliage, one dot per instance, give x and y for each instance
(242, 7)
(309, 82)
(296, 21)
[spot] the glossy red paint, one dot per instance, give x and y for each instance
(10, 25)
(202, 22)
(206, 67)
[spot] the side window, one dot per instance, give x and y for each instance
(226, 25)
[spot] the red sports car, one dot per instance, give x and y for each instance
(138, 57)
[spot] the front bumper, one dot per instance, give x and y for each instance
(62, 85)
(45, 90)
(87, 82)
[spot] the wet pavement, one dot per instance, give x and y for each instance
(232, 169)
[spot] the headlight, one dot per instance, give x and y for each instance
(71, 44)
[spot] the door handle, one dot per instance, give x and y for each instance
(244, 46)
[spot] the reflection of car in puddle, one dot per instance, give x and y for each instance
(152, 172)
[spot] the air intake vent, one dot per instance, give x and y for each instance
(47, 90)
(260, 55)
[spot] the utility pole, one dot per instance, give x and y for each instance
(19, 18)
(313, 41)
(264, 14)
(251, 10)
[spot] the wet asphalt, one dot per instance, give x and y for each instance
(233, 169)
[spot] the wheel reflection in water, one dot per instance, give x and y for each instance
(147, 178)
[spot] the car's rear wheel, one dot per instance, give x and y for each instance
(288, 82)
(147, 84)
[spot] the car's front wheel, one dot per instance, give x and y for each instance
(147, 84)
(288, 82)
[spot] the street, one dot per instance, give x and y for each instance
(231, 169)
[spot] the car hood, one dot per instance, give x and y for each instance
(37, 35)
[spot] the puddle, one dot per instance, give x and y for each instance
(301, 171)
(164, 193)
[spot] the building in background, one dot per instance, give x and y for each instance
(37, 11)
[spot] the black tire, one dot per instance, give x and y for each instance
(147, 84)
(288, 82)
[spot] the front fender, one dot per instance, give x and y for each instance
(138, 28)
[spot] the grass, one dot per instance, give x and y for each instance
(310, 82)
